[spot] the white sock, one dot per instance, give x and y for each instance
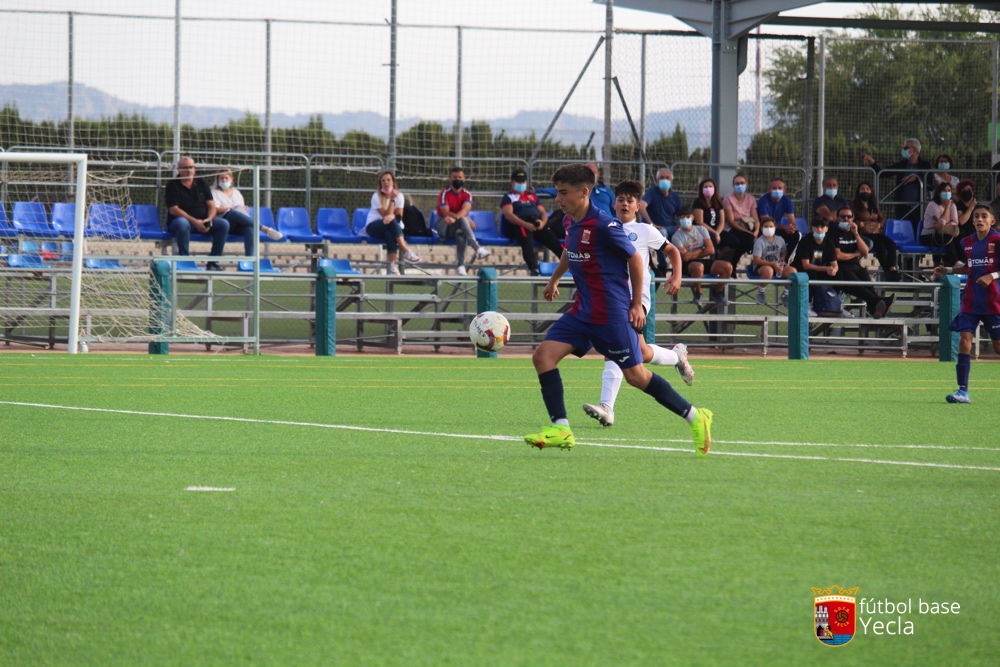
(663, 357)
(761, 289)
(561, 422)
(611, 382)
(692, 413)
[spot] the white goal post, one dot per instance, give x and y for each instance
(79, 160)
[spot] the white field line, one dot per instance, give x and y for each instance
(209, 488)
(472, 436)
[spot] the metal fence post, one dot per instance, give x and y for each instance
(486, 299)
(159, 305)
(326, 311)
(798, 317)
(949, 302)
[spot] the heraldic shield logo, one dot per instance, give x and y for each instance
(834, 614)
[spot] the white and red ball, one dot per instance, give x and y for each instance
(489, 331)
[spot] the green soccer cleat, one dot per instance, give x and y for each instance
(701, 430)
(552, 436)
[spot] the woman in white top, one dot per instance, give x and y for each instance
(385, 220)
(941, 225)
(229, 204)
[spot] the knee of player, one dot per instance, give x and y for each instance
(637, 376)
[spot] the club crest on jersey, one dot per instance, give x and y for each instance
(586, 236)
(633, 237)
(834, 614)
(991, 247)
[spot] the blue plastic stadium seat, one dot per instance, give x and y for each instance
(334, 225)
(266, 220)
(486, 228)
(66, 249)
(265, 266)
(6, 231)
(31, 219)
(63, 219)
(26, 261)
(358, 223)
(341, 266)
(187, 265)
(547, 268)
(145, 219)
(50, 248)
(107, 220)
(27, 247)
(104, 264)
(294, 223)
(901, 231)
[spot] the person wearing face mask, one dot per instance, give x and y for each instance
(940, 227)
(230, 205)
(849, 248)
(817, 256)
(658, 207)
(454, 204)
(527, 221)
(870, 219)
(826, 205)
(908, 172)
(943, 163)
(698, 256)
(769, 255)
(711, 214)
(385, 220)
(742, 220)
(777, 204)
(965, 200)
(995, 204)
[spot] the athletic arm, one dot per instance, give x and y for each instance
(643, 213)
(636, 315)
(674, 257)
(509, 216)
(552, 287)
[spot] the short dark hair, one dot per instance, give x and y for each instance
(683, 210)
(577, 175)
(939, 189)
(767, 218)
(455, 169)
(845, 208)
(777, 178)
(633, 188)
(818, 222)
(989, 209)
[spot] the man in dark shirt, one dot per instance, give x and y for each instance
(849, 248)
(190, 204)
(827, 204)
(909, 172)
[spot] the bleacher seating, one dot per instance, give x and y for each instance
(187, 265)
(102, 264)
(334, 226)
(26, 261)
(547, 268)
(31, 219)
(6, 231)
(266, 220)
(486, 229)
(145, 219)
(341, 266)
(358, 223)
(64, 219)
(294, 223)
(265, 266)
(107, 220)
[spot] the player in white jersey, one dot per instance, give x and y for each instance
(646, 238)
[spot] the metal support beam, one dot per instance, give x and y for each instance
(390, 161)
(458, 102)
(609, 30)
(177, 80)
(725, 96)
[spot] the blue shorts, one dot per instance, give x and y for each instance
(967, 323)
(617, 342)
(753, 272)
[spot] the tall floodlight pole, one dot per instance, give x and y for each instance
(177, 80)
(458, 107)
(609, 27)
(391, 150)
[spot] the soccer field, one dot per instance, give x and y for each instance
(384, 510)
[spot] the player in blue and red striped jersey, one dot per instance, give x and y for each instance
(605, 315)
(981, 300)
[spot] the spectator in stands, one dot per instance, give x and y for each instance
(190, 205)
(742, 221)
(454, 204)
(602, 196)
(710, 214)
(817, 255)
(943, 164)
(940, 226)
(230, 205)
(527, 221)
(995, 204)
(909, 173)
(659, 208)
(870, 220)
(965, 202)
(828, 203)
(698, 256)
(849, 248)
(769, 256)
(385, 220)
(779, 206)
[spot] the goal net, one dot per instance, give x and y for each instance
(86, 286)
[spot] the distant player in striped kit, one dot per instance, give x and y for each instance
(605, 316)
(981, 300)
(646, 238)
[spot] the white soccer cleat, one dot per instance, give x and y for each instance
(683, 367)
(602, 413)
(462, 271)
(272, 233)
(482, 252)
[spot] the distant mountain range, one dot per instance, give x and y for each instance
(47, 102)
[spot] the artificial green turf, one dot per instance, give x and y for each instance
(373, 547)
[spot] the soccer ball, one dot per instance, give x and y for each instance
(489, 331)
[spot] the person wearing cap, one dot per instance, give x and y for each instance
(527, 221)
(454, 204)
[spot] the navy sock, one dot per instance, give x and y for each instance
(666, 396)
(962, 370)
(552, 393)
